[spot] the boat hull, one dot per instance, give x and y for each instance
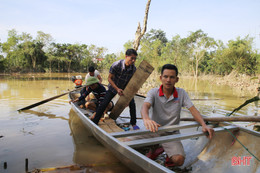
(202, 154)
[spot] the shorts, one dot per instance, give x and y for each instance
(97, 103)
(173, 147)
(170, 148)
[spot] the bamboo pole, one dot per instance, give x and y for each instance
(220, 119)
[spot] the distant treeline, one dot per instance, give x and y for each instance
(196, 54)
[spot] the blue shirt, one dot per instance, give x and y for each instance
(122, 74)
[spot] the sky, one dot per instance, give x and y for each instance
(111, 23)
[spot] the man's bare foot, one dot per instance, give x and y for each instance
(93, 116)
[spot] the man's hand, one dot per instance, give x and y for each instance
(151, 125)
(209, 130)
(73, 101)
(120, 92)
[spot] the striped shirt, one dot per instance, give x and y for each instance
(99, 93)
(122, 74)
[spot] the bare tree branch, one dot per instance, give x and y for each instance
(139, 33)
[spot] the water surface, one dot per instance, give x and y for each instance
(51, 135)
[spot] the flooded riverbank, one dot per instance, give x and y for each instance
(49, 135)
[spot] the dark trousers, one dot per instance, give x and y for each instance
(108, 97)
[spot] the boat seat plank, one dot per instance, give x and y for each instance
(160, 129)
(163, 139)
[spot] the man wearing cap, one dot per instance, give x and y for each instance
(98, 90)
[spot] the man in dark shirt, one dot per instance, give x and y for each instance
(119, 75)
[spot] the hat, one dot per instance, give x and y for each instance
(91, 80)
(79, 77)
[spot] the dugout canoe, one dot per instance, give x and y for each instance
(232, 149)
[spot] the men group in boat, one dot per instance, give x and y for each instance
(119, 75)
(167, 102)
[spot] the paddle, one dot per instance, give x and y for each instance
(47, 100)
(139, 95)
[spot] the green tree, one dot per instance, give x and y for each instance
(13, 61)
(108, 61)
(199, 44)
(175, 52)
(238, 55)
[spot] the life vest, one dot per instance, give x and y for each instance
(78, 82)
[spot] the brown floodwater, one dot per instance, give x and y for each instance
(51, 135)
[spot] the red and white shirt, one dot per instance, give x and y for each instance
(166, 111)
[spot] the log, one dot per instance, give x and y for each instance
(141, 74)
(220, 119)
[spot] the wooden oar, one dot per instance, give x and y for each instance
(220, 119)
(47, 100)
(139, 95)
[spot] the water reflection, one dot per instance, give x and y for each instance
(42, 114)
(89, 152)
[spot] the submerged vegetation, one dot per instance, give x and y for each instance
(195, 54)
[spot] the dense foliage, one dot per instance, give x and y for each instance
(197, 53)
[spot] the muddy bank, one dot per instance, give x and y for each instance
(242, 84)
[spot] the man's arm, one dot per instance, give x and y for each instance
(148, 123)
(196, 114)
(99, 78)
(110, 80)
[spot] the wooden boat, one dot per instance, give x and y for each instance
(232, 149)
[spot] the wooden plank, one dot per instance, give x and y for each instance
(163, 139)
(110, 126)
(221, 119)
(111, 123)
(160, 129)
(142, 73)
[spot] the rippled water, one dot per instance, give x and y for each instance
(51, 134)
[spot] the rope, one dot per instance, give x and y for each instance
(242, 144)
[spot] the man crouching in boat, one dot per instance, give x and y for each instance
(167, 102)
(98, 90)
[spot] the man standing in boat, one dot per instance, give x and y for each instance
(167, 102)
(119, 75)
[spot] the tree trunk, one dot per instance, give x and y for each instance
(139, 34)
